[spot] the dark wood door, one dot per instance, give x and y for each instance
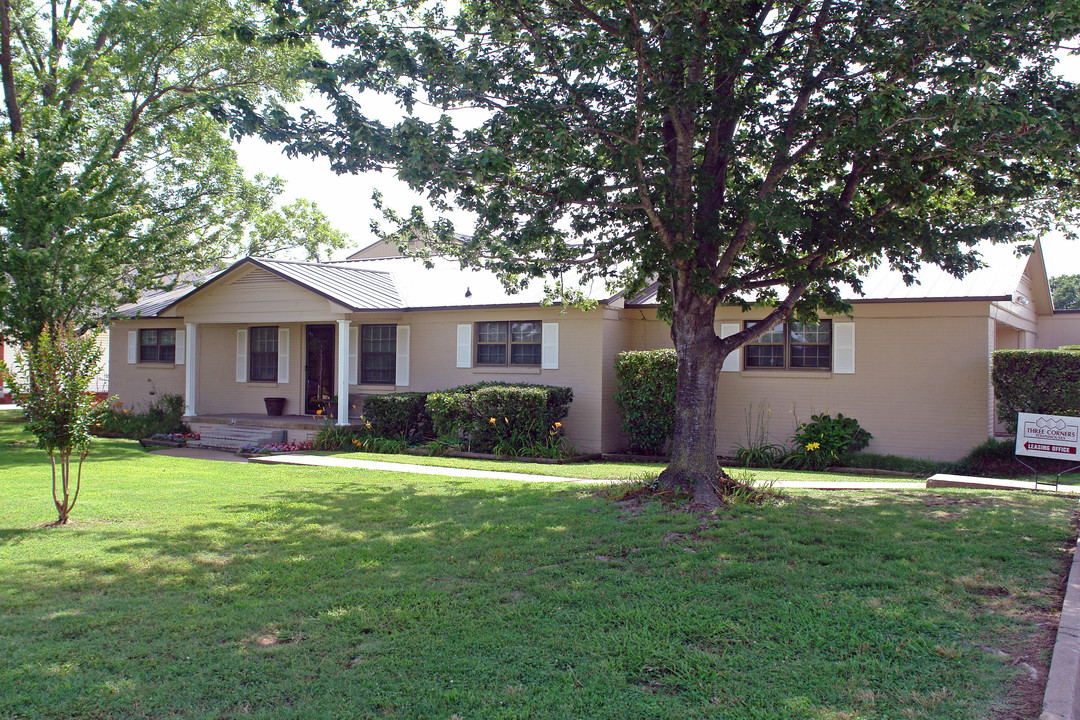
(319, 368)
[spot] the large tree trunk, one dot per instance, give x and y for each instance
(694, 468)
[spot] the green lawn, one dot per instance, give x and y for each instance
(189, 589)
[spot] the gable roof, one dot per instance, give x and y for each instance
(378, 284)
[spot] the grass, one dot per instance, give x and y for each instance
(189, 589)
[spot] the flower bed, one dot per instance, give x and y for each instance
(274, 448)
(174, 440)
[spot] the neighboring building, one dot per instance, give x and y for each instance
(911, 363)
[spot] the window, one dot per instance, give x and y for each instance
(378, 354)
(794, 345)
(263, 354)
(508, 343)
(157, 346)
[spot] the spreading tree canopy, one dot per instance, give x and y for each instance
(734, 152)
(1066, 292)
(114, 175)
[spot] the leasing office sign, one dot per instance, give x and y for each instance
(1048, 436)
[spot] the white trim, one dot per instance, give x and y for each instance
(133, 346)
(180, 348)
(464, 345)
(343, 371)
(549, 346)
(354, 352)
(401, 367)
(283, 355)
(733, 362)
(241, 356)
(189, 371)
(843, 348)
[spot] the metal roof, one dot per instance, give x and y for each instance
(354, 287)
(382, 284)
(998, 279)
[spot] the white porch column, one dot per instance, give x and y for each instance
(343, 372)
(189, 369)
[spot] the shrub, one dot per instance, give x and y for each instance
(820, 442)
(164, 416)
(1035, 381)
(645, 396)
(400, 416)
(450, 413)
(507, 419)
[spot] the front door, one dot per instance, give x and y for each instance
(319, 368)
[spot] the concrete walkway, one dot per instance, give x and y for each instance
(323, 461)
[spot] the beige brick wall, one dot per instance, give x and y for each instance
(141, 384)
(920, 384)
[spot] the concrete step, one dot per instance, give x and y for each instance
(234, 437)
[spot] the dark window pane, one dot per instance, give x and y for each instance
(525, 354)
(264, 348)
(157, 346)
(490, 354)
(378, 354)
(810, 356)
(768, 356)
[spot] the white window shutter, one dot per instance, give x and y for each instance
(844, 348)
(241, 356)
(402, 367)
(354, 353)
(464, 346)
(549, 346)
(733, 362)
(282, 355)
(181, 347)
(133, 346)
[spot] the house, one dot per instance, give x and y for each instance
(911, 363)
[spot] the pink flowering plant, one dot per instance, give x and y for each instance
(285, 447)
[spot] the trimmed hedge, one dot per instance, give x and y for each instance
(399, 416)
(1035, 381)
(508, 418)
(646, 398)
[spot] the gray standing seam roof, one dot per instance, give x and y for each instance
(355, 288)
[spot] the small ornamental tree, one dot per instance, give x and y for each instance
(51, 384)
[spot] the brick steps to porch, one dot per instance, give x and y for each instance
(234, 437)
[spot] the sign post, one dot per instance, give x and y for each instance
(1056, 437)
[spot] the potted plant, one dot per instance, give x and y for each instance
(274, 406)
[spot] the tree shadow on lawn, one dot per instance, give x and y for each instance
(419, 600)
(28, 454)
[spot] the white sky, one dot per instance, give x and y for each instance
(346, 199)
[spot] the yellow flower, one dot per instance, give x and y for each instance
(506, 421)
(319, 411)
(492, 421)
(813, 446)
(558, 424)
